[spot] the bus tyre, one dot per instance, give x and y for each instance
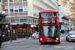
(41, 43)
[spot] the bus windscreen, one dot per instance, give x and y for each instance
(48, 15)
(49, 31)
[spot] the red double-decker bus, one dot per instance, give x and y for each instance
(49, 26)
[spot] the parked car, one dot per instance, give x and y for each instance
(35, 35)
(71, 36)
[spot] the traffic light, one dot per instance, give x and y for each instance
(18, 26)
(27, 25)
(24, 25)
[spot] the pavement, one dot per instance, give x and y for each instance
(16, 41)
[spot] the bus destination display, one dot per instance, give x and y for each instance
(48, 22)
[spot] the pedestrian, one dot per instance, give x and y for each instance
(33, 30)
(0, 41)
(31, 34)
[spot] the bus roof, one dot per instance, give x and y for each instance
(48, 11)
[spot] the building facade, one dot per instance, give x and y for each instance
(27, 11)
(2, 17)
(63, 18)
(2, 6)
(3, 22)
(71, 13)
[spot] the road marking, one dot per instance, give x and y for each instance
(41, 48)
(62, 37)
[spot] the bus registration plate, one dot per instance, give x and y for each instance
(49, 40)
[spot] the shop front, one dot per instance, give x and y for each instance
(33, 26)
(21, 30)
(3, 29)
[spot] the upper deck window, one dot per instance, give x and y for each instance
(6, 0)
(16, 0)
(20, 0)
(10, 0)
(48, 15)
(24, 0)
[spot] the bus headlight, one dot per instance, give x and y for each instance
(41, 39)
(57, 38)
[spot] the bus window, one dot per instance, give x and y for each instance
(48, 15)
